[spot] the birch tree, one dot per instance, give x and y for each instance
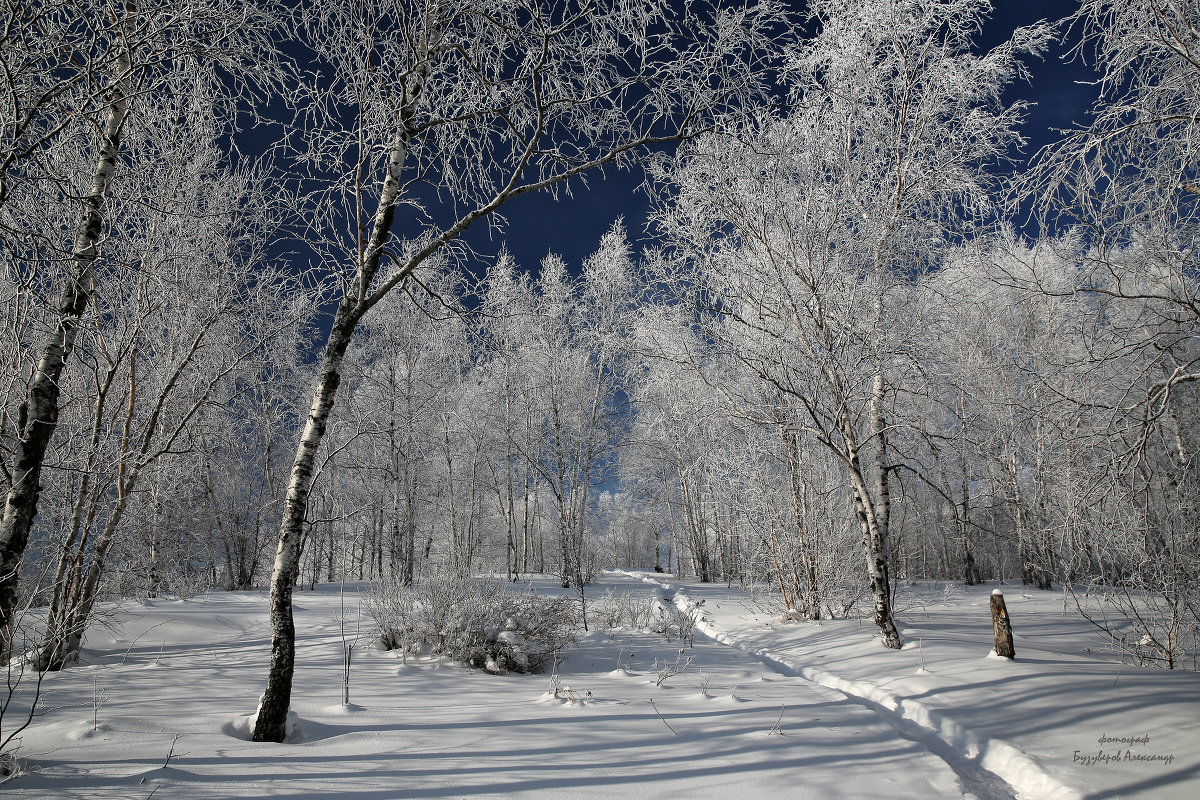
(577, 351)
(1127, 182)
(481, 101)
(404, 381)
(990, 437)
(507, 308)
(58, 59)
(243, 453)
(808, 233)
(186, 298)
(680, 428)
(109, 59)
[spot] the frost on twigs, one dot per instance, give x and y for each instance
(10, 766)
(667, 670)
(645, 614)
(483, 624)
(563, 693)
(624, 610)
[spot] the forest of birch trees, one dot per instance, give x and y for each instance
(865, 338)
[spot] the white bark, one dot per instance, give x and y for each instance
(42, 398)
(457, 94)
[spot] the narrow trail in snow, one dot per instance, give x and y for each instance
(973, 780)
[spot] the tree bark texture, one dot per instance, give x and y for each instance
(809, 554)
(872, 517)
(880, 521)
(1002, 627)
(41, 402)
(270, 725)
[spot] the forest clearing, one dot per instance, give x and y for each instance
(756, 707)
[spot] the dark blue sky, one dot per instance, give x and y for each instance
(572, 226)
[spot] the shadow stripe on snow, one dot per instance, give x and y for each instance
(968, 754)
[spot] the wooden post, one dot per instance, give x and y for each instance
(1001, 626)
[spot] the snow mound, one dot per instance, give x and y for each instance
(242, 727)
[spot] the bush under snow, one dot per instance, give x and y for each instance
(645, 614)
(483, 624)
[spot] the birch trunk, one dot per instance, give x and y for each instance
(809, 553)
(62, 645)
(270, 725)
(272, 712)
(271, 722)
(874, 541)
(82, 516)
(872, 503)
(872, 515)
(879, 522)
(564, 538)
(519, 94)
(41, 403)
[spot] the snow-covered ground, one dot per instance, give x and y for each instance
(763, 709)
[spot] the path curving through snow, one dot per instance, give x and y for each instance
(987, 769)
(758, 709)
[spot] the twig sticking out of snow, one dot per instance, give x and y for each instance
(171, 752)
(129, 649)
(99, 697)
(664, 719)
(775, 727)
(671, 670)
(561, 692)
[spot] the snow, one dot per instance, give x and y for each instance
(1038, 722)
(763, 709)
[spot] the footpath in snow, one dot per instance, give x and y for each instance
(752, 709)
(1065, 721)
(160, 709)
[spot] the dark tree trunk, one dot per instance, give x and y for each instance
(270, 725)
(40, 408)
(1001, 627)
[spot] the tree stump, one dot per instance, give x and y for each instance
(1002, 626)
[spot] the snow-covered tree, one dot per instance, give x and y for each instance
(77, 76)
(805, 232)
(485, 101)
(184, 299)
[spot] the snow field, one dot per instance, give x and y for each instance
(1036, 722)
(761, 710)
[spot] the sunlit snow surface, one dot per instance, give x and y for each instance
(791, 710)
